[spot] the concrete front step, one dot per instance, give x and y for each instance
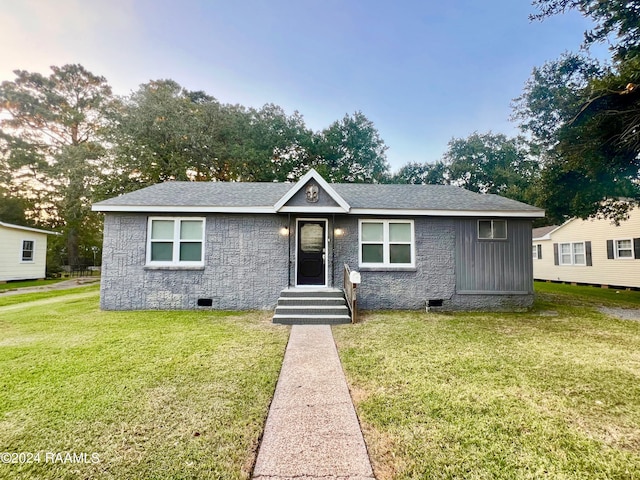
(311, 301)
(312, 292)
(311, 319)
(312, 310)
(311, 306)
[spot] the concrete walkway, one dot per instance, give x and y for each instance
(63, 285)
(312, 430)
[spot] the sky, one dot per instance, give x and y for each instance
(423, 72)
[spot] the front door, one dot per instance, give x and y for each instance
(312, 241)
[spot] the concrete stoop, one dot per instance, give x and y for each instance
(312, 306)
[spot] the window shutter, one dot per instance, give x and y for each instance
(556, 261)
(610, 249)
(540, 251)
(587, 251)
(636, 248)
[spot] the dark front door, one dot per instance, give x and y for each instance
(311, 252)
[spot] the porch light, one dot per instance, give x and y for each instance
(284, 231)
(338, 232)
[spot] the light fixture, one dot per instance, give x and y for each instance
(338, 232)
(284, 231)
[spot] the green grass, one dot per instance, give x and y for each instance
(552, 393)
(28, 283)
(156, 395)
(592, 295)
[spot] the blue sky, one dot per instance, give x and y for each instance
(422, 71)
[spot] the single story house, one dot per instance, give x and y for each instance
(185, 245)
(23, 252)
(593, 251)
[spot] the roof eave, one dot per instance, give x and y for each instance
(322, 210)
(28, 229)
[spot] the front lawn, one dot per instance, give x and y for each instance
(553, 393)
(153, 395)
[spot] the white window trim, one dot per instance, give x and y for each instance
(176, 242)
(573, 253)
(535, 251)
(386, 263)
(33, 251)
(506, 226)
(616, 249)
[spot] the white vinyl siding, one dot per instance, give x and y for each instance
(175, 241)
(386, 243)
(608, 269)
(14, 262)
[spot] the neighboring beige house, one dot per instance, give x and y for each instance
(591, 251)
(23, 252)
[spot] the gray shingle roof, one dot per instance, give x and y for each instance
(358, 196)
(542, 231)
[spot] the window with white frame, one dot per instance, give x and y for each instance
(572, 254)
(535, 252)
(492, 229)
(175, 241)
(387, 243)
(27, 250)
(624, 248)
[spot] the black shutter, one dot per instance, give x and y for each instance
(555, 254)
(610, 249)
(587, 250)
(636, 248)
(540, 251)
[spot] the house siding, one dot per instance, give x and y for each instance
(432, 278)
(248, 262)
(245, 260)
(11, 265)
(603, 271)
(494, 265)
(493, 274)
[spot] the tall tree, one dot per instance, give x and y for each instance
(422, 173)
(165, 132)
(493, 163)
(616, 22)
(350, 150)
(51, 129)
(586, 117)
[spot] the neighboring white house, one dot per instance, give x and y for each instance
(593, 251)
(23, 252)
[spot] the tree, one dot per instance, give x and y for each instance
(51, 131)
(165, 132)
(492, 163)
(422, 173)
(616, 22)
(349, 150)
(586, 117)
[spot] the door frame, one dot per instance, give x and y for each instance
(326, 251)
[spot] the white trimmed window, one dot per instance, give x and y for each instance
(492, 229)
(572, 254)
(28, 246)
(387, 243)
(624, 248)
(175, 241)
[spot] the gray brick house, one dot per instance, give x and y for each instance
(190, 245)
